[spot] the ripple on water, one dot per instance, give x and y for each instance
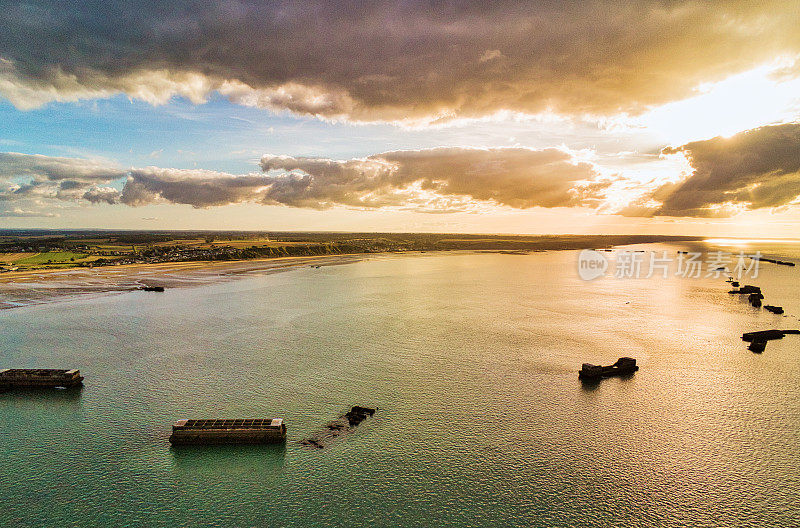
(473, 361)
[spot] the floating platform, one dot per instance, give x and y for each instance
(40, 379)
(152, 288)
(216, 432)
(624, 365)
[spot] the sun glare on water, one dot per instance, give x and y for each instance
(748, 241)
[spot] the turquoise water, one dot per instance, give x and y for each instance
(472, 360)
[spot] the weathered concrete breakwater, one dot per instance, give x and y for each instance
(746, 290)
(197, 432)
(755, 297)
(753, 293)
(767, 334)
(623, 366)
(342, 425)
(758, 340)
(216, 432)
(40, 379)
(779, 262)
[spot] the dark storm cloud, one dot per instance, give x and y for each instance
(752, 170)
(386, 59)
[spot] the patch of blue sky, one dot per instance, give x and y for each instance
(219, 135)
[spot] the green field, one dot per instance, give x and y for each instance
(50, 257)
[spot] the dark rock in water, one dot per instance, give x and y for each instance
(774, 309)
(758, 346)
(746, 290)
(152, 288)
(342, 425)
(624, 365)
(765, 335)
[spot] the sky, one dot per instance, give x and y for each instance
(672, 117)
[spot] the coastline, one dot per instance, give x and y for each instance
(27, 288)
(41, 286)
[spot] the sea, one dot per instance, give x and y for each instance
(472, 361)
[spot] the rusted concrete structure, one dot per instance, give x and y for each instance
(624, 365)
(343, 425)
(246, 431)
(766, 335)
(40, 379)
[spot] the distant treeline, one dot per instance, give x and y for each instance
(316, 243)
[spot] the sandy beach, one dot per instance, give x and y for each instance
(42, 286)
(37, 286)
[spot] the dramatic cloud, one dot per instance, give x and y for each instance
(35, 177)
(198, 188)
(434, 180)
(383, 60)
(756, 169)
(516, 177)
(751, 170)
(107, 195)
